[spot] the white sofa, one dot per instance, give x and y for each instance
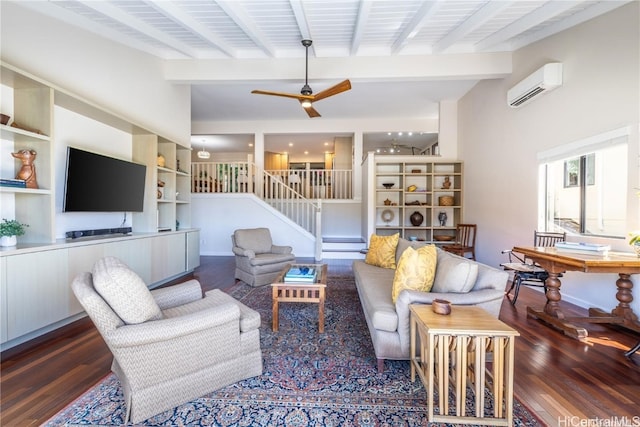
(389, 323)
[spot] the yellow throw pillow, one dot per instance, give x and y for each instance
(382, 251)
(416, 270)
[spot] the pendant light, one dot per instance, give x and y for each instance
(202, 154)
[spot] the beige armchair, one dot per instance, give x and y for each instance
(258, 260)
(169, 345)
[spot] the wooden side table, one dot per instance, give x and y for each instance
(300, 292)
(455, 347)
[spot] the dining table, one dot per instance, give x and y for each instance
(556, 262)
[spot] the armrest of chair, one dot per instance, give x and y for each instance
(513, 255)
(180, 294)
(276, 249)
(243, 252)
(164, 330)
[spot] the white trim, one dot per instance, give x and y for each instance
(586, 145)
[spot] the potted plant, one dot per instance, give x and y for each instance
(9, 230)
(634, 241)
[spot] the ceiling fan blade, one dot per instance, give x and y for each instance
(299, 97)
(333, 90)
(312, 112)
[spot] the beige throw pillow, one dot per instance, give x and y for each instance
(124, 291)
(454, 274)
(416, 270)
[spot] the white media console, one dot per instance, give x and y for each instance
(35, 280)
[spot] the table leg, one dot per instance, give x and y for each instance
(274, 310)
(412, 346)
(321, 311)
(552, 307)
(622, 315)
(552, 314)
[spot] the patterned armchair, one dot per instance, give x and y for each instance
(169, 345)
(258, 260)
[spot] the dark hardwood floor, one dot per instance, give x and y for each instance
(564, 381)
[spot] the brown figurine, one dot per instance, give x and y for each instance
(447, 183)
(28, 170)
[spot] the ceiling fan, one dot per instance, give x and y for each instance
(306, 97)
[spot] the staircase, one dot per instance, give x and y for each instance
(343, 248)
(246, 177)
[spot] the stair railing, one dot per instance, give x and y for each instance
(245, 177)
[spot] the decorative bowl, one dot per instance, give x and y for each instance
(387, 184)
(412, 188)
(441, 306)
(443, 238)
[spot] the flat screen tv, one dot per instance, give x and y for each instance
(97, 183)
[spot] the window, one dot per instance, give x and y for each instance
(573, 170)
(585, 187)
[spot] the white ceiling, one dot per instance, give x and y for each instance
(402, 56)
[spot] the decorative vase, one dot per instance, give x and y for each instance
(416, 218)
(442, 217)
(636, 247)
(8, 241)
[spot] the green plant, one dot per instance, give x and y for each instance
(11, 227)
(635, 238)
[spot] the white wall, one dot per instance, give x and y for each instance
(218, 215)
(499, 145)
(120, 79)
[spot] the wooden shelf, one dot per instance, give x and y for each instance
(416, 179)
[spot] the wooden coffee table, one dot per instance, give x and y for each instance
(300, 292)
(453, 348)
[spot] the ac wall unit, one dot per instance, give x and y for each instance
(543, 80)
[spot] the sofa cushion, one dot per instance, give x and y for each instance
(415, 271)
(454, 274)
(256, 239)
(374, 289)
(403, 244)
(124, 291)
(382, 251)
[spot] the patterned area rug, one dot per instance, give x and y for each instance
(309, 379)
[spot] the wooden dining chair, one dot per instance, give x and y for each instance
(525, 271)
(465, 241)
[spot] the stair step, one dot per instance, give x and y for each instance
(343, 244)
(342, 240)
(343, 247)
(342, 255)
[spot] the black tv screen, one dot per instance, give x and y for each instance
(97, 183)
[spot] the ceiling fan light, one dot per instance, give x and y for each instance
(306, 103)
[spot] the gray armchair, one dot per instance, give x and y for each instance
(258, 260)
(169, 345)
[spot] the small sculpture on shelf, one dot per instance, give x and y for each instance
(447, 183)
(27, 171)
(442, 217)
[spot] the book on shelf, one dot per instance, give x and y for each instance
(583, 247)
(17, 183)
